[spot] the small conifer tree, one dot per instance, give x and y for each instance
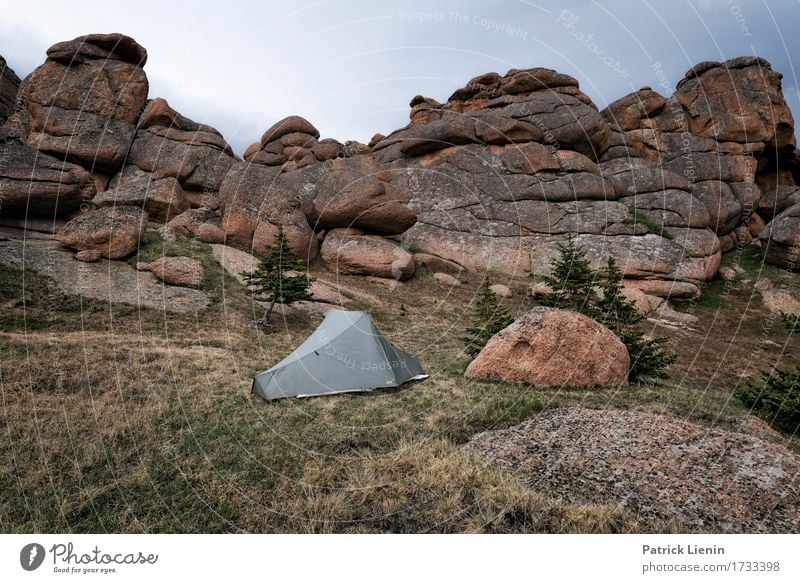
(615, 311)
(571, 278)
(649, 357)
(776, 397)
(280, 276)
(489, 318)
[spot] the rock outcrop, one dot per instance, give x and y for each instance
(494, 178)
(83, 103)
(162, 199)
(512, 164)
(353, 252)
(254, 203)
(170, 145)
(548, 347)
(33, 184)
(112, 232)
(180, 271)
(84, 113)
(656, 467)
(291, 143)
(9, 84)
(286, 180)
(728, 131)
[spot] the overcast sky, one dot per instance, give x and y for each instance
(351, 67)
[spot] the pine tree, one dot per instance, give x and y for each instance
(280, 276)
(615, 311)
(649, 357)
(776, 397)
(489, 318)
(571, 278)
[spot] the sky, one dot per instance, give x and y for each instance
(351, 67)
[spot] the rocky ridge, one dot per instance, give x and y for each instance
(493, 178)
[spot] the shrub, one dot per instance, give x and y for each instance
(489, 318)
(792, 322)
(638, 218)
(777, 397)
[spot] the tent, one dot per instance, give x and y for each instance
(346, 353)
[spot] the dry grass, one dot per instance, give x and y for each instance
(123, 420)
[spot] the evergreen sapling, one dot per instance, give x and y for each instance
(571, 278)
(280, 276)
(489, 318)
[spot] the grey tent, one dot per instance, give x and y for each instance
(346, 353)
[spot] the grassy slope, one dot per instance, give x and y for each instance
(126, 420)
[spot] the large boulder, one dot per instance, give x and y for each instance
(781, 239)
(626, 114)
(547, 347)
(9, 84)
(190, 222)
(359, 192)
(162, 199)
(169, 144)
(180, 271)
(291, 143)
(83, 103)
(353, 252)
(739, 100)
(254, 202)
(33, 184)
(112, 232)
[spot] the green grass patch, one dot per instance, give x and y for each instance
(639, 218)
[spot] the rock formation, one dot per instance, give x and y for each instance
(493, 178)
(729, 132)
(351, 251)
(547, 347)
(83, 103)
(180, 271)
(9, 84)
(309, 187)
(169, 145)
(83, 134)
(657, 467)
(37, 185)
(112, 232)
